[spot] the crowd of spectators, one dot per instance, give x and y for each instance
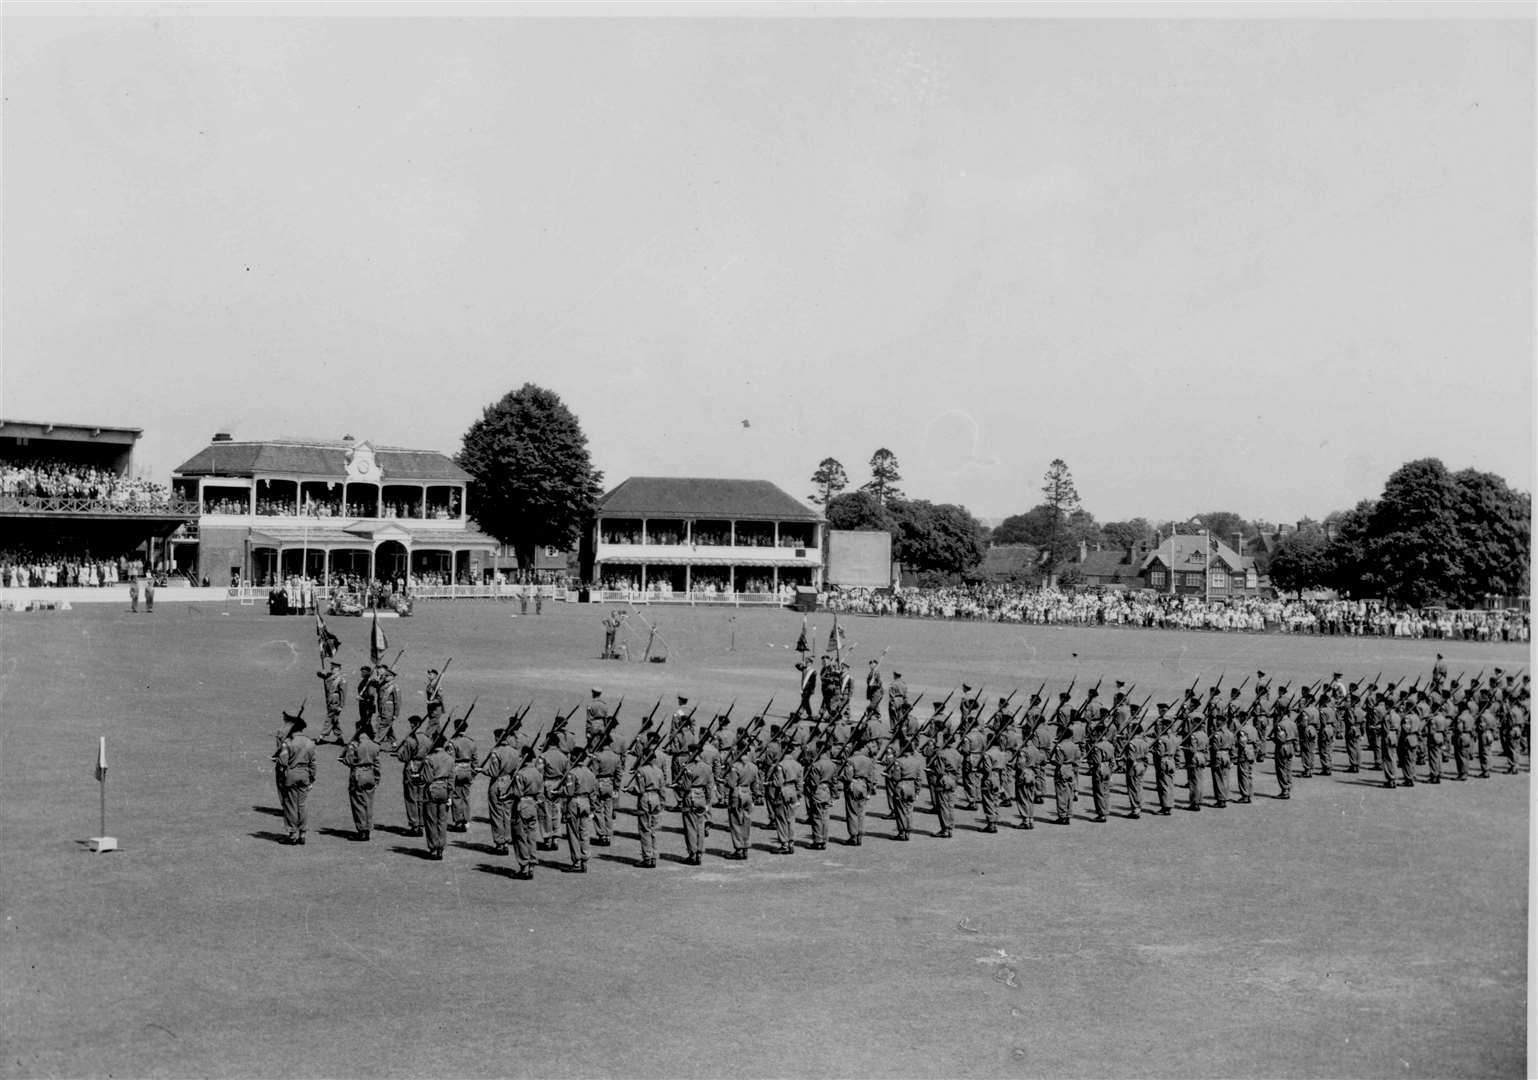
(25, 569)
(331, 509)
(1018, 604)
(60, 479)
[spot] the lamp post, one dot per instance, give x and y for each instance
(1206, 566)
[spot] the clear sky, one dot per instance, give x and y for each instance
(1213, 263)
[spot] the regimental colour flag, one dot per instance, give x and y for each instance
(376, 641)
(801, 642)
(101, 760)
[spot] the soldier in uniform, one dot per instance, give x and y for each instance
(1221, 746)
(858, 775)
(783, 789)
(1134, 762)
(1409, 740)
(1484, 737)
(821, 774)
(692, 780)
(873, 688)
(368, 706)
(334, 684)
(1196, 763)
(1351, 720)
(1065, 765)
(743, 785)
(996, 782)
(1461, 736)
(971, 749)
(388, 703)
(578, 787)
(1247, 752)
(1101, 761)
(438, 790)
(1165, 749)
(463, 747)
(1308, 731)
(295, 759)
(499, 766)
(1327, 735)
(681, 740)
(597, 715)
(904, 775)
(1029, 760)
(433, 690)
(361, 759)
(606, 763)
(525, 792)
(897, 700)
(1283, 735)
(555, 762)
(1435, 734)
(648, 783)
(411, 752)
(944, 767)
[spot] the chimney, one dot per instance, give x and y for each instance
(1083, 551)
(222, 436)
(348, 439)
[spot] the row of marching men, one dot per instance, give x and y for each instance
(544, 785)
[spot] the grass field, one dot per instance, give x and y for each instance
(1352, 931)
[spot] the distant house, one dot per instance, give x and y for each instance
(1120, 568)
(702, 536)
(1005, 563)
(1200, 565)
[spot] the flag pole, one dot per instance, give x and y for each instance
(99, 844)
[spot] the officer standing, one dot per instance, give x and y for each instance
(295, 760)
(874, 691)
(1222, 749)
(783, 790)
(334, 684)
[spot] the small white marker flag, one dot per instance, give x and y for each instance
(101, 760)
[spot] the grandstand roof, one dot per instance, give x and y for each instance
(295, 457)
(52, 429)
(696, 497)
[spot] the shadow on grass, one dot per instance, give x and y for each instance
(471, 845)
(270, 811)
(416, 852)
(344, 834)
(622, 860)
(498, 871)
(274, 837)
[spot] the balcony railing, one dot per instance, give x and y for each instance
(716, 553)
(76, 504)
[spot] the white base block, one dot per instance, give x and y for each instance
(100, 844)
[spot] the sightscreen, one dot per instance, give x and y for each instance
(859, 558)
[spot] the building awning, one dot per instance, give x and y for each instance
(364, 535)
(707, 564)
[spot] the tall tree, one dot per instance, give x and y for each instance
(830, 479)
(1127, 534)
(1495, 530)
(1415, 549)
(1061, 498)
(938, 537)
(883, 476)
(1350, 572)
(1227, 526)
(1301, 561)
(859, 510)
(532, 481)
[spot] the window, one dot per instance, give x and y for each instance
(1156, 579)
(1219, 578)
(1194, 581)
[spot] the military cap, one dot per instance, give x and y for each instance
(597, 692)
(435, 705)
(1214, 691)
(873, 661)
(1064, 696)
(682, 700)
(966, 689)
(365, 667)
(1003, 699)
(937, 705)
(1163, 706)
(497, 733)
(460, 724)
(897, 674)
(1233, 691)
(295, 723)
(578, 753)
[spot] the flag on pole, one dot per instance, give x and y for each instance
(376, 641)
(801, 643)
(836, 639)
(101, 760)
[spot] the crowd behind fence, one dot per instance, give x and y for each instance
(53, 480)
(1356, 618)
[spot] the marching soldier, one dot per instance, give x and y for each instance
(692, 780)
(1462, 739)
(437, 790)
(1247, 751)
(945, 763)
(368, 700)
(1028, 763)
(859, 778)
(1222, 750)
(597, 715)
(578, 788)
(1065, 765)
(1196, 764)
(1388, 744)
(295, 760)
(1351, 720)
(433, 690)
(1134, 757)
(361, 759)
(897, 700)
(648, 783)
(411, 752)
(743, 784)
(873, 688)
(463, 747)
(1283, 735)
(996, 783)
(606, 764)
(334, 684)
(783, 790)
(972, 743)
(1484, 737)
(554, 762)
(499, 766)
(1100, 760)
(525, 793)
(1308, 731)
(1409, 740)
(1165, 749)
(820, 778)
(904, 776)
(1327, 734)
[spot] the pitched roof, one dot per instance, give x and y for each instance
(291, 457)
(1116, 565)
(1182, 553)
(698, 497)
